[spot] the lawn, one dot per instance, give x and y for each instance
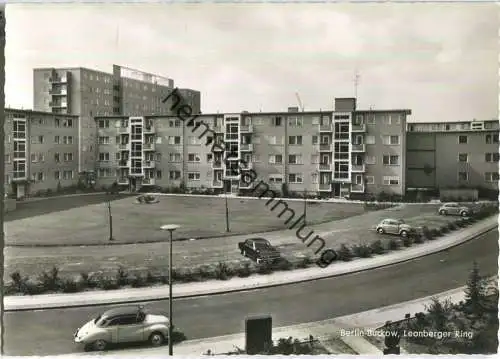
(139, 223)
(189, 254)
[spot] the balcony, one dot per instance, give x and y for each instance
(148, 181)
(124, 146)
(357, 188)
(124, 163)
(58, 104)
(359, 148)
(217, 183)
(326, 128)
(62, 92)
(216, 164)
(359, 127)
(232, 174)
(149, 146)
(246, 147)
(325, 166)
(123, 181)
(246, 165)
(58, 80)
(148, 130)
(325, 187)
(326, 147)
(149, 164)
(358, 168)
(245, 185)
(246, 128)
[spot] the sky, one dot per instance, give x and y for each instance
(440, 61)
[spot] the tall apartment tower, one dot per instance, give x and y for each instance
(89, 93)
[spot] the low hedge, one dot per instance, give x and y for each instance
(52, 281)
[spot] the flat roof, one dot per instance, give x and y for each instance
(28, 111)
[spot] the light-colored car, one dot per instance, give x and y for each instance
(394, 226)
(455, 209)
(126, 324)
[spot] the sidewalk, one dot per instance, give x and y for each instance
(46, 301)
(323, 330)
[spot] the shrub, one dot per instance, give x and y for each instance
(18, 282)
(418, 238)
(138, 281)
(344, 253)
(50, 280)
(362, 251)
(223, 272)
(394, 244)
(244, 271)
(377, 247)
(434, 233)
(150, 278)
(121, 277)
(444, 229)
(87, 281)
(107, 283)
(69, 285)
(283, 265)
(407, 241)
(452, 226)
(264, 268)
(32, 288)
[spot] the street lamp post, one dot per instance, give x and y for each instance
(110, 217)
(171, 228)
(227, 211)
(305, 207)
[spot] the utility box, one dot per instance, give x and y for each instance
(258, 334)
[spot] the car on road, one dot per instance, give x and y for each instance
(455, 209)
(394, 226)
(128, 324)
(259, 250)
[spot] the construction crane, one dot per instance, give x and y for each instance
(301, 106)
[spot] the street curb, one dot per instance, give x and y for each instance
(37, 199)
(320, 275)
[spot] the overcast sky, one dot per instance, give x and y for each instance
(441, 61)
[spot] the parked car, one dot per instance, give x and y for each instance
(394, 226)
(128, 324)
(456, 209)
(259, 250)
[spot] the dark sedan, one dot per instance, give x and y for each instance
(259, 250)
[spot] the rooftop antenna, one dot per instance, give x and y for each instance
(356, 84)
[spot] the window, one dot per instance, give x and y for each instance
(193, 157)
(68, 140)
(276, 121)
(276, 179)
(193, 176)
(295, 140)
(370, 179)
(491, 176)
(463, 176)
(103, 124)
(295, 121)
(391, 140)
(491, 157)
(358, 179)
(174, 140)
(463, 157)
(314, 178)
(67, 175)
(158, 174)
(315, 140)
(158, 140)
(387, 119)
(370, 140)
(104, 172)
(103, 140)
(194, 140)
(295, 159)
(314, 159)
(69, 123)
(271, 140)
(315, 120)
(57, 157)
(56, 140)
(34, 157)
(37, 140)
(492, 139)
(57, 175)
(104, 156)
(396, 118)
(174, 175)
(462, 139)
(370, 160)
(255, 158)
(391, 180)
(370, 119)
(175, 157)
(276, 159)
(7, 159)
(391, 160)
(295, 178)
(68, 157)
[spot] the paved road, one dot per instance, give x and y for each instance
(50, 332)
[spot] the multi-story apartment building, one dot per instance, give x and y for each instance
(40, 151)
(452, 154)
(335, 153)
(88, 93)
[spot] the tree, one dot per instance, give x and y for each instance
(438, 313)
(475, 293)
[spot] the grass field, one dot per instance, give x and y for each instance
(189, 254)
(138, 223)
